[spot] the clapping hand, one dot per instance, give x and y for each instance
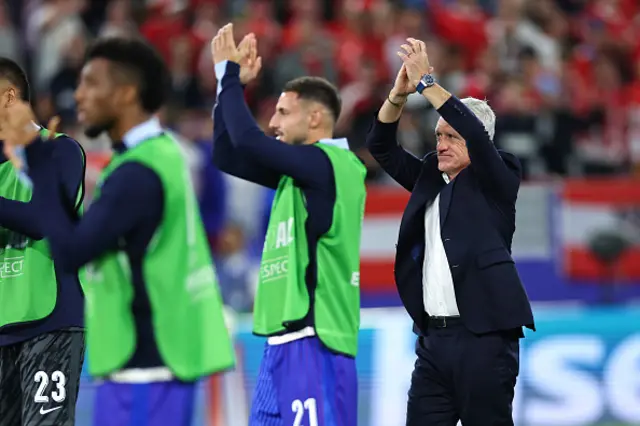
(223, 46)
(402, 87)
(250, 62)
(415, 60)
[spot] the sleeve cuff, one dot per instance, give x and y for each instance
(225, 68)
(220, 69)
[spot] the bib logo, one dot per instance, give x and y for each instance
(13, 266)
(285, 233)
(200, 283)
(275, 259)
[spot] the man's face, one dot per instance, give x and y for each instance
(96, 97)
(452, 149)
(290, 123)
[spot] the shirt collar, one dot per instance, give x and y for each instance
(340, 143)
(143, 131)
(446, 178)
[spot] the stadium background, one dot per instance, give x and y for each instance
(564, 79)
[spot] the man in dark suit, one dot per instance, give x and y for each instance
(454, 270)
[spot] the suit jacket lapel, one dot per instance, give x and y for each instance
(445, 200)
(419, 197)
(413, 218)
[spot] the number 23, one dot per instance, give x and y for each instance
(299, 408)
(58, 378)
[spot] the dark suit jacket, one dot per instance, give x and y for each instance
(477, 218)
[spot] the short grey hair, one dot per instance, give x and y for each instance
(485, 114)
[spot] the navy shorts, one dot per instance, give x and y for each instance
(144, 404)
(304, 383)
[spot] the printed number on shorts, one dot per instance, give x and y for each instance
(58, 395)
(299, 408)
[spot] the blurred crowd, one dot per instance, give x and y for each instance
(562, 75)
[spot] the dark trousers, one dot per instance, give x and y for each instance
(462, 376)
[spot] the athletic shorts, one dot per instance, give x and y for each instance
(144, 404)
(304, 383)
(39, 379)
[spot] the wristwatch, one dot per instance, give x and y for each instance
(426, 80)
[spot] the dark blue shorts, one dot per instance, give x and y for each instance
(148, 404)
(304, 383)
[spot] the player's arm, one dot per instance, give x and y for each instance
(70, 162)
(19, 216)
(306, 164)
(227, 158)
(131, 195)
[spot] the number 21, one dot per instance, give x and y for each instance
(299, 408)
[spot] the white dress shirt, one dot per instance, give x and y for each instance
(438, 295)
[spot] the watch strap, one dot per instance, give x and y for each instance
(427, 80)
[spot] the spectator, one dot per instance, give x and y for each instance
(119, 20)
(562, 75)
(9, 46)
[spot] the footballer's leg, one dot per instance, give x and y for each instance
(314, 385)
(264, 406)
(50, 369)
(10, 392)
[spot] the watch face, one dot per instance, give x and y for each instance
(427, 80)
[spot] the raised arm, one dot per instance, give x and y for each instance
(68, 158)
(19, 216)
(227, 158)
(70, 161)
(382, 142)
(499, 179)
(401, 165)
(307, 164)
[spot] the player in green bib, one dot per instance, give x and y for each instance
(41, 303)
(154, 315)
(307, 302)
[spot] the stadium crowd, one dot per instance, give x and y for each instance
(562, 75)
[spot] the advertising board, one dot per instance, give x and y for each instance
(582, 367)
